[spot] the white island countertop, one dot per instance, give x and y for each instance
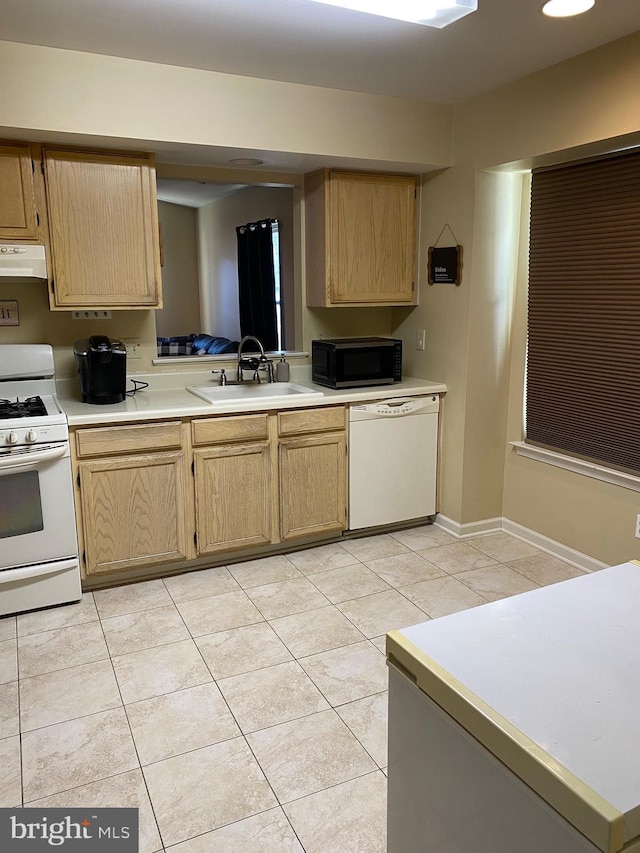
(167, 397)
(549, 682)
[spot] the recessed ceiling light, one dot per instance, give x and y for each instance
(567, 8)
(246, 161)
(432, 13)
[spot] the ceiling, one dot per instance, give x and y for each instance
(194, 193)
(321, 45)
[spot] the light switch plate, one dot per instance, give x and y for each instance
(420, 339)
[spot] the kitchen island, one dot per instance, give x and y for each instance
(514, 726)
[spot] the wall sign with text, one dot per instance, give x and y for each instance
(445, 264)
(9, 315)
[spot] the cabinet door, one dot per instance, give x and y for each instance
(313, 485)
(103, 223)
(17, 197)
(134, 511)
(372, 239)
(233, 496)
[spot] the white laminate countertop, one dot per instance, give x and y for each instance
(167, 397)
(555, 671)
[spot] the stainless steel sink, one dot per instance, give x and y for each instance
(238, 394)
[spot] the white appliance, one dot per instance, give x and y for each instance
(22, 261)
(39, 564)
(393, 455)
(514, 726)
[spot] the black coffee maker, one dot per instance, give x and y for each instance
(101, 363)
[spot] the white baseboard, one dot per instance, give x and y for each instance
(531, 537)
(551, 546)
(472, 528)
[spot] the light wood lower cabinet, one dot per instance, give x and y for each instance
(312, 485)
(134, 511)
(146, 498)
(312, 471)
(133, 495)
(233, 497)
(233, 481)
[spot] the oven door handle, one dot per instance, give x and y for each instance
(33, 457)
(12, 575)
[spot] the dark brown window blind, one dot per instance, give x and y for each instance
(583, 359)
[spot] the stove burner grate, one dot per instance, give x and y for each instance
(30, 407)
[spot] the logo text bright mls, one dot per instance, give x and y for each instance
(70, 830)
(54, 833)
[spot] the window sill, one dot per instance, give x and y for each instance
(578, 466)
(229, 356)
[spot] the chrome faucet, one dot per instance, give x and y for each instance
(254, 364)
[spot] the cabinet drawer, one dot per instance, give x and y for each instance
(224, 430)
(104, 441)
(311, 420)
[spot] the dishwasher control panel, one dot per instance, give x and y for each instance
(395, 408)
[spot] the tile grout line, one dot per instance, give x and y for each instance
(115, 775)
(133, 740)
(297, 659)
(242, 734)
(336, 785)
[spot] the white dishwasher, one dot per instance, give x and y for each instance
(393, 454)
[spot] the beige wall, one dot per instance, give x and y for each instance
(71, 92)
(39, 325)
(180, 314)
(476, 334)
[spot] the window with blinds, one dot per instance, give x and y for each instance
(583, 358)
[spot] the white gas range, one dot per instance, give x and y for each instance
(39, 564)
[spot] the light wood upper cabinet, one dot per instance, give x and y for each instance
(103, 225)
(361, 239)
(18, 218)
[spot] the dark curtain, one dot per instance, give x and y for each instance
(256, 282)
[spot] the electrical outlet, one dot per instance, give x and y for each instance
(134, 348)
(637, 526)
(420, 339)
(91, 315)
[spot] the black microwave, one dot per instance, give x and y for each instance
(353, 362)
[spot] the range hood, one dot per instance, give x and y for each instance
(22, 262)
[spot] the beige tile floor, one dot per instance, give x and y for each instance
(240, 708)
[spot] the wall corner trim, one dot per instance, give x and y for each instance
(472, 528)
